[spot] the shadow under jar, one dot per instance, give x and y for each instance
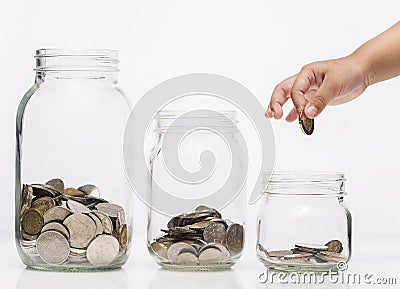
(303, 223)
(196, 224)
(73, 202)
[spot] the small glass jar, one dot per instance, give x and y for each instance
(197, 209)
(73, 202)
(303, 223)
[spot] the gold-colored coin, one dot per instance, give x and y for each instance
(73, 192)
(306, 124)
(334, 246)
(27, 195)
(122, 237)
(43, 204)
(32, 222)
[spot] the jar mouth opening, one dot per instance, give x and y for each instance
(54, 52)
(304, 183)
(178, 121)
(76, 59)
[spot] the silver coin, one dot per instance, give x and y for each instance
(90, 190)
(106, 221)
(160, 249)
(102, 250)
(58, 214)
(40, 190)
(53, 247)
(99, 224)
(296, 257)
(175, 249)
(202, 208)
(110, 209)
(311, 247)
(211, 255)
(331, 257)
(77, 207)
(55, 226)
(279, 254)
(188, 259)
(235, 239)
(215, 233)
(224, 251)
(57, 184)
(82, 230)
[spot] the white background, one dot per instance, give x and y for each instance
(257, 43)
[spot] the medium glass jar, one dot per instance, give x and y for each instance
(197, 203)
(303, 223)
(73, 202)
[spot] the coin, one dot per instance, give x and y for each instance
(110, 209)
(215, 233)
(77, 207)
(82, 230)
(55, 226)
(306, 124)
(200, 225)
(235, 238)
(160, 249)
(297, 256)
(53, 247)
(32, 221)
(26, 236)
(334, 246)
(187, 258)
(279, 254)
(202, 208)
(43, 204)
(57, 184)
(102, 250)
(58, 214)
(26, 198)
(106, 222)
(122, 237)
(175, 249)
(99, 224)
(224, 251)
(310, 247)
(331, 257)
(210, 256)
(44, 190)
(73, 192)
(90, 190)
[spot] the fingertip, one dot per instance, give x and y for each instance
(311, 111)
(277, 110)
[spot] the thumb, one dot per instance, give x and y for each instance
(321, 99)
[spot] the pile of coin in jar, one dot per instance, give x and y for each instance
(309, 253)
(68, 225)
(199, 238)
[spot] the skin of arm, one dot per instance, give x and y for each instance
(337, 81)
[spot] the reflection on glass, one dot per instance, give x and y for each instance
(163, 279)
(30, 279)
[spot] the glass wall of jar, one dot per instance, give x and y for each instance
(303, 223)
(73, 202)
(197, 191)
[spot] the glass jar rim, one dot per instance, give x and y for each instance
(76, 60)
(224, 122)
(55, 52)
(279, 182)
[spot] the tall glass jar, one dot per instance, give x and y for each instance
(198, 203)
(73, 202)
(303, 223)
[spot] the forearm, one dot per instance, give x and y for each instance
(380, 56)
